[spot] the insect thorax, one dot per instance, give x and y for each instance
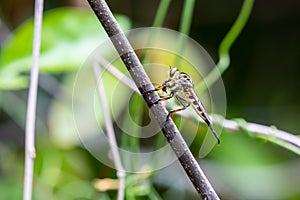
(185, 80)
(179, 84)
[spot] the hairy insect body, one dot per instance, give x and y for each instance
(199, 108)
(181, 86)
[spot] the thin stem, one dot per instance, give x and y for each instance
(161, 13)
(158, 21)
(144, 85)
(268, 133)
(187, 15)
(32, 98)
(224, 56)
(110, 133)
(185, 26)
(133, 142)
(118, 74)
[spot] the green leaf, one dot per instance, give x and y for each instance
(69, 36)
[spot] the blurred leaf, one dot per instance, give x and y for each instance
(10, 190)
(11, 167)
(78, 117)
(76, 190)
(240, 150)
(69, 36)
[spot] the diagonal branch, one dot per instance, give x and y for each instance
(144, 84)
(110, 133)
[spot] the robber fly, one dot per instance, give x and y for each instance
(181, 86)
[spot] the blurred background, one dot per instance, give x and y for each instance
(262, 86)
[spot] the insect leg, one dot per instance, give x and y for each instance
(155, 89)
(181, 101)
(164, 98)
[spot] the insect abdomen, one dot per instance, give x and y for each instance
(200, 111)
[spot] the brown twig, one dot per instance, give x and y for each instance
(144, 85)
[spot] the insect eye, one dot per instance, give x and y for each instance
(186, 77)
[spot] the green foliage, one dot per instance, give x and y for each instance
(69, 36)
(226, 44)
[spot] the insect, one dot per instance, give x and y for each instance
(181, 86)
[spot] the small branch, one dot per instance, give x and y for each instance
(110, 133)
(186, 18)
(161, 13)
(31, 108)
(144, 84)
(115, 72)
(268, 133)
